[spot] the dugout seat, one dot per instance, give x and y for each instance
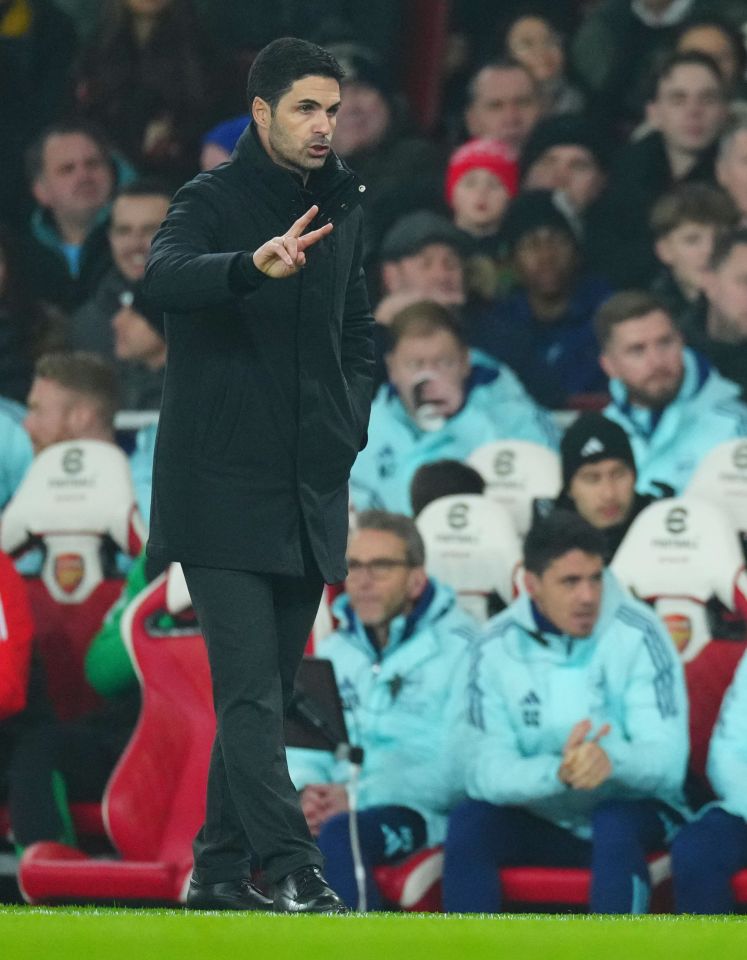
(721, 478)
(154, 802)
(472, 545)
(76, 507)
(677, 555)
(516, 473)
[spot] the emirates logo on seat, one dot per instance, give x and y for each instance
(69, 570)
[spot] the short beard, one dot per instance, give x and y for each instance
(657, 403)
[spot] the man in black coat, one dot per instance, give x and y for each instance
(265, 407)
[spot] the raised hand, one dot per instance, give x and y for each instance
(283, 256)
(586, 765)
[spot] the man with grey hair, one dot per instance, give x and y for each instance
(401, 641)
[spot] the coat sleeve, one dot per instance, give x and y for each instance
(650, 753)
(357, 350)
(727, 756)
(184, 271)
(16, 632)
(495, 770)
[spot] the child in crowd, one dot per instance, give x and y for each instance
(685, 222)
(481, 178)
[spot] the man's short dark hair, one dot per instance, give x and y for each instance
(401, 526)
(443, 478)
(665, 66)
(724, 244)
(422, 319)
(497, 63)
(86, 373)
(278, 65)
(622, 306)
(700, 203)
(145, 187)
(557, 534)
(34, 157)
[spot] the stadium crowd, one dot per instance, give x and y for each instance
(559, 261)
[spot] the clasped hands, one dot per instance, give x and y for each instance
(320, 801)
(585, 764)
(283, 256)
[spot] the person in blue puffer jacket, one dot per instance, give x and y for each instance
(400, 648)
(708, 851)
(575, 743)
(673, 405)
(442, 402)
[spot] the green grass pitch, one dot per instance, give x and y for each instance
(103, 934)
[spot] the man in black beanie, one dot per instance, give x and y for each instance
(140, 348)
(599, 475)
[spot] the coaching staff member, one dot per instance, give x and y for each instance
(265, 406)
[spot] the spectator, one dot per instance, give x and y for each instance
(218, 143)
(575, 746)
(72, 176)
(152, 79)
(481, 179)
(618, 42)
(27, 326)
(716, 324)
(16, 452)
(672, 404)
(543, 330)
(375, 136)
(599, 475)
(533, 40)
(685, 222)
(731, 165)
(722, 40)
(440, 403)
(136, 214)
(503, 103)
(567, 153)
(37, 46)
(688, 109)
(139, 342)
(443, 478)
(401, 640)
(709, 850)
(74, 396)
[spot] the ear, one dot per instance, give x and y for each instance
(79, 417)
(652, 114)
(607, 365)
(261, 112)
(417, 582)
(40, 192)
(531, 582)
(390, 277)
(709, 283)
(663, 252)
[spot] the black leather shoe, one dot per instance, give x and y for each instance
(306, 891)
(229, 895)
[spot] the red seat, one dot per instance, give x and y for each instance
(154, 802)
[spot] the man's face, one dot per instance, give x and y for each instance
(569, 592)
(726, 289)
(381, 584)
(686, 250)
(298, 133)
(731, 171)
(715, 42)
(134, 337)
(505, 106)
(603, 492)
(569, 168)
(435, 271)
(534, 43)
(134, 222)
(645, 353)
(479, 200)
(50, 413)
(363, 119)
(545, 261)
(437, 361)
(76, 179)
(689, 108)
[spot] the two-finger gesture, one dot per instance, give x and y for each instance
(283, 256)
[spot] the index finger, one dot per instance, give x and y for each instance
(300, 225)
(601, 732)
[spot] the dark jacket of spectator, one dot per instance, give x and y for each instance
(730, 359)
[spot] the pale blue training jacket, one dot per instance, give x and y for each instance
(668, 446)
(15, 448)
(496, 407)
(727, 754)
(527, 689)
(397, 704)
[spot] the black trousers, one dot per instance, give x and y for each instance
(255, 626)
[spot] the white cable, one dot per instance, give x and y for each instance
(355, 844)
